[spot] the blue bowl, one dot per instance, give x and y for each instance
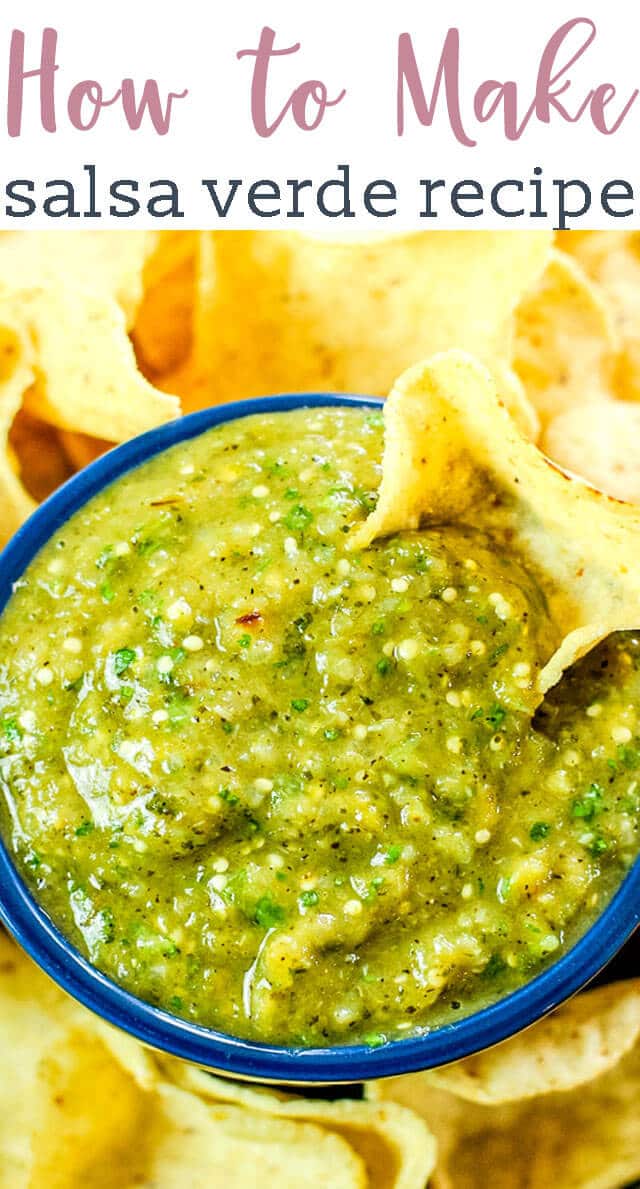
(36, 933)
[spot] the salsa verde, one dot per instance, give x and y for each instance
(292, 791)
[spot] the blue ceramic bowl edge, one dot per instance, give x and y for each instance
(231, 1056)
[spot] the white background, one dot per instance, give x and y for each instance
(347, 43)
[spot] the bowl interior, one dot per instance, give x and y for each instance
(31, 926)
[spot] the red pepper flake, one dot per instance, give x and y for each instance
(252, 618)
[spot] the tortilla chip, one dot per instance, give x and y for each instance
(86, 1105)
(41, 461)
(612, 260)
(16, 375)
(452, 452)
(565, 343)
(596, 443)
(81, 1137)
(282, 311)
(80, 449)
(396, 1147)
(199, 1145)
(582, 1138)
(581, 1041)
(110, 263)
(163, 326)
(85, 372)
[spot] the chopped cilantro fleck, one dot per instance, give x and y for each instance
(226, 795)
(244, 641)
(589, 805)
(496, 965)
(332, 733)
(107, 926)
(267, 913)
(299, 704)
(308, 899)
(298, 519)
(497, 653)
(393, 854)
(496, 715)
(539, 830)
(383, 665)
(84, 828)
(11, 730)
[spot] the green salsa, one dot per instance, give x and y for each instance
(293, 791)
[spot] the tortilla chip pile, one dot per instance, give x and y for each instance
(530, 342)
(82, 1105)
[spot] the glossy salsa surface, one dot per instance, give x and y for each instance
(291, 791)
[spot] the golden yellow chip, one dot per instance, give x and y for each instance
(397, 1149)
(164, 321)
(109, 263)
(555, 1124)
(565, 343)
(452, 452)
(597, 442)
(581, 1041)
(85, 372)
(41, 460)
(612, 260)
(84, 1105)
(282, 311)
(16, 375)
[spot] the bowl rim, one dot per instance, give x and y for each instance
(23, 917)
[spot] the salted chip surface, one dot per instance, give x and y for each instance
(565, 341)
(612, 260)
(111, 263)
(86, 377)
(16, 375)
(283, 311)
(163, 324)
(599, 443)
(82, 1104)
(583, 1135)
(395, 1145)
(581, 1041)
(66, 358)
(452, 453)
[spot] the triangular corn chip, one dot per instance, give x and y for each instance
(597, 442)
(16, 374)
(107, 262)
(86, 376)
(82, 1105)
(397, 1148)
(564, 342)
(581, 1041)
(564, 1102)
(283, 311)
(65, 353)
(612, 260)
(452, 453)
